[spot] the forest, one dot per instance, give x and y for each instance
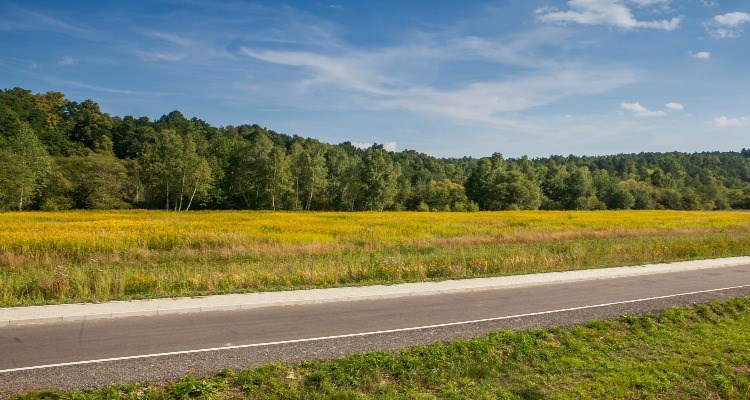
(57, 154)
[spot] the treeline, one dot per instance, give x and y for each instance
(57, 154)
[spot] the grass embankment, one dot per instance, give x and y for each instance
(700, 352)
(96, 256)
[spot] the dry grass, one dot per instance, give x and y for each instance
(95, 256)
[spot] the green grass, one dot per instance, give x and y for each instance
(700, 352)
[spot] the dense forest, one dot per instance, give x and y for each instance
(57, 154)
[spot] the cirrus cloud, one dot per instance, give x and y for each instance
(606, 12)
(640, 111)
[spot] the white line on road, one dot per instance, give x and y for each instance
(244, 346)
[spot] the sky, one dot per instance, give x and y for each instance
(448, 78)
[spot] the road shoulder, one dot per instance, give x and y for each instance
(120, 309)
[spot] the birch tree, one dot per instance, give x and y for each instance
(24, 166)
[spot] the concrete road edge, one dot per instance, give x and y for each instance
(152, 307)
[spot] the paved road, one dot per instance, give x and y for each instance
(129, 349)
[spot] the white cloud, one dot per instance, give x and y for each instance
(158, 56)
(727, 25)
(22, 19)
(641, 111)
(375, 81)
(169, 37)
(722, 122)
(67, 60)
(704, 55)
(361, 145)
(607, 12)
(387, 146)
(733, 19)
(675, 106)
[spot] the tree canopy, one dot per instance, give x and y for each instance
(57, 154)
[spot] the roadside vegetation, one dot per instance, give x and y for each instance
(54, 257)
(699, 352)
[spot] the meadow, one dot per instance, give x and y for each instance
(698, 352)
(56, 257)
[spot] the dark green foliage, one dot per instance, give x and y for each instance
(59, 154)
(96, 181)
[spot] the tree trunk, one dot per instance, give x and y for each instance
(167, 206)
(309, 198)
(195, 190)
(182, 194)
(20, 201)
(296, 194)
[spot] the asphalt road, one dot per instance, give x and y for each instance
(77, 355)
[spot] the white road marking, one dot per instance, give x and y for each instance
(244, 346)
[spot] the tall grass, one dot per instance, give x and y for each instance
(96, 256)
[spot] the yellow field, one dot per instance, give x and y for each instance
(91, 256)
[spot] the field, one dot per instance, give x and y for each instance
(700, 352)
(96, 256)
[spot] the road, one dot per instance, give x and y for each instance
(83, 354)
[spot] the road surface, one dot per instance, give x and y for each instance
(77, 355)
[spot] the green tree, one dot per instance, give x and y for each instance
(342, 178)
(86, 123)
(515, 191)
(96, 181)
(173, 171)
(250, 167)
(24, 167)
(480, 185)
(554, 186)
(276, 178)
(311, 172)
(378, 177)
(579, 193)
(445, 195)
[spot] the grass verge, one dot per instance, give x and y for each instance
(84, 256)
(701, 352)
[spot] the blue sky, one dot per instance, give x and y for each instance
(447, 78)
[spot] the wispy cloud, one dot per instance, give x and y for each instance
(169, 37)
(351, 71)
(607, 12)
(640, 111)
(17, 18)
(493, 102)
(376, 80)
(724, 122)
(81, 85)
(727, 25)
(67, 60)
(159, 56)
